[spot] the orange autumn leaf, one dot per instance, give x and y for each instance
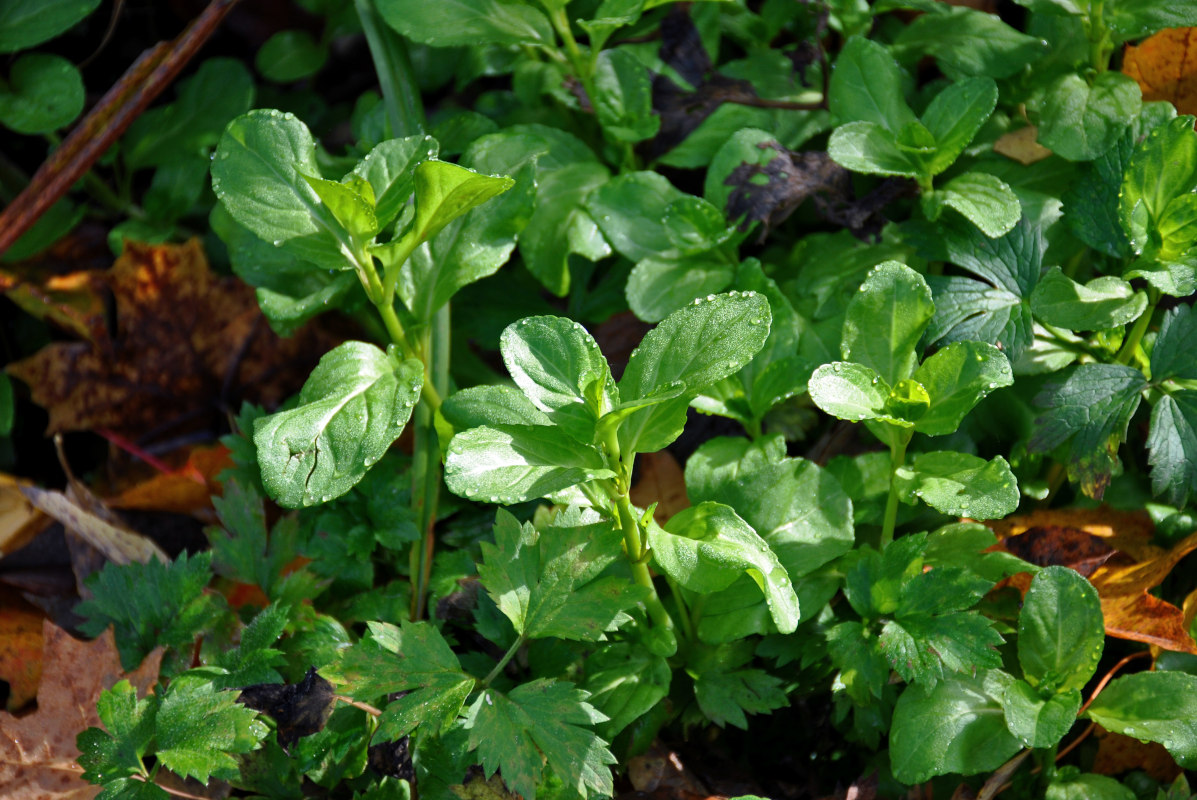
(661, 481)
(37, 751)
(183, 490)
(1114, 550)
(19, 520)
(20, 647)
(184, 339)
(1022, 146)
(1165, 67)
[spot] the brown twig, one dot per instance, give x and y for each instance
(148, 76)
(369, 709)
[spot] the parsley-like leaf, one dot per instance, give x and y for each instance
(725, 696)
(200, 728)
(539, 723)
(116, 753)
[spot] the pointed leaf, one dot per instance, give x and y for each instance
(866, 85)
(954, 116)
(390, 170)
(956, 378)
(885, 320)
(1172, 447)
(1060, 631)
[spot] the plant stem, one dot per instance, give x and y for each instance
(897, 459)
(400, 92)
(426, 463)
(636, 560)
(1141, 324)
(583, 67)
(511, 651)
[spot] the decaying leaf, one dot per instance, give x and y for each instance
(19, 520)
(299, 709)
(117, 544)
(20, 647)
(1165, 67)
(37, 751)
(185, 343)
(662, 482)
(660, 773)
(1022, 146)
(792, 177)
(75, 302)
(1114, 550)
(184, 489)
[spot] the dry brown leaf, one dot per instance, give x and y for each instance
(662, 482)
(37, 751)
(660, 773)
(20, 647)
(75, 302)
(118, 544)
(1117, 754)
(183, 490)
(19, 520)
(1022, 146)
(1128, 531)
(1165, 67)
(184, 339)
(1143, 617)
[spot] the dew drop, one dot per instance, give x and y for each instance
(278, 242)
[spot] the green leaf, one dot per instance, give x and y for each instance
(412, 658)
(1060, 631)
(1091, 203)
(1134, 20)
(623, 97)
(871, 149)
(995, 309)
(696, 346)
(1080, 121)
(560, 225)
(1102, 303)
(390, 170)
(352, 204)
(956, 378)
(955, 115)
(1162, 167)
(704, 548)
(1089, 411)
(1153, 707)
(985, 200)
(253, 661)
(863, 670)
(150, 604)
(695, 226)
(491, 405)
(724, 697)
(468, 23)
(219, 91)
(199, 729)
(538, 724)
(116, 752)
(44, 92)
(1070, 785)
(806, 523)
(955, 727)
(630, 210)
(873, 581)
(352, 408)
(624, 683)
(969, 42)
(866, 85)
(657, 287)
(514, 463)
(1172, 447)
(7, 404)
(1037, 721)
(545, 583)
(851, 392)
(960, 484)
(918, 647)
(558, 365)
(289, 56)
(25, 23)
(885, 320)
(460, 248)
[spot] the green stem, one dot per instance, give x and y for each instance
(400, 91)
(1099, 50)
(897, 458)
(1141, 324)
(583, 67)
(426, 464)
(683, 613)
(510, 654)
(636, 559)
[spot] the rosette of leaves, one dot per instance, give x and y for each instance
(879, 134)
(882, 383)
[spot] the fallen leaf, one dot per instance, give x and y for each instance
(662, 482)
(1117, 754)
(20, 647)
(186, 341)
(791, 178)
(1114, 550)
(37, 751)
(117, 544)
(299, 709)
(19, 520)
(76, 302)
(1165, 67)
(661, 774)
(1022, 146)
(184, 489)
